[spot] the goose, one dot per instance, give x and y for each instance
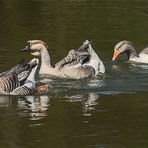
(129, 49)
(91, 68)
(29, 86)
(20, 79)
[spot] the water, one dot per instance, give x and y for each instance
(74, 114)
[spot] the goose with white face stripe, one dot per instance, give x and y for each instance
(90, 68)
(19, 80)
(129, 49)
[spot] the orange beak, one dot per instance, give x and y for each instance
(116, 54)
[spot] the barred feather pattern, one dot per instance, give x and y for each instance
(8, 83)
(84, 46)
(3, 93)
(78, 72)
(13, 81)
(74, 57)
(23, 90)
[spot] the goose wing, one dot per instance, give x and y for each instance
(22, 90)
(78, 72)
(16, 69)
(12, 78)
(8, 82)
(16, 77)
(144, 51)
(28, 86)
(3, 73)
(92, 65)
(75, 56)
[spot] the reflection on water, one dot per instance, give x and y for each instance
(89, 104)
(36, 107)
(88, 101)
(93, 119)
(33, 106)
(4, 101)
(76, 114)
(120, 78)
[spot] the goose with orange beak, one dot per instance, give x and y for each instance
(129, 49)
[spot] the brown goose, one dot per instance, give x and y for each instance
(93, 67)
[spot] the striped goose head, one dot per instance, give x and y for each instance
(126, 47)
(35, 47)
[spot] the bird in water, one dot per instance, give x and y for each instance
(129, 49)
(76, 65)
(19, 80)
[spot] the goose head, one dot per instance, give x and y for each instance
(126, 47)
(35, 47)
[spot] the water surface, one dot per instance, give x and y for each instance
(111, 112)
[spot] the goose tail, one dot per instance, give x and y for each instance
(30, 82)
(28, 86)
(84, 46)
(23, 70)
(24, 66)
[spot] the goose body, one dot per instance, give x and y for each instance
(29, 85)
(142, 57)
(90, 68)
(128, 48)
(19, 80)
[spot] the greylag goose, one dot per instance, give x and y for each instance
(91, 68)
(128, 48)
(20, 79)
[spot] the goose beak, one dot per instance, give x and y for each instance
(25, 49)
(116, 54)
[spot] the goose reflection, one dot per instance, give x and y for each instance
(5, 101)
(88, 101)
(33, 106)
(89, 104)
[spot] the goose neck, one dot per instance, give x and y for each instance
(45, 58)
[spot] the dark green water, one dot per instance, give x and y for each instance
(75, 114)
